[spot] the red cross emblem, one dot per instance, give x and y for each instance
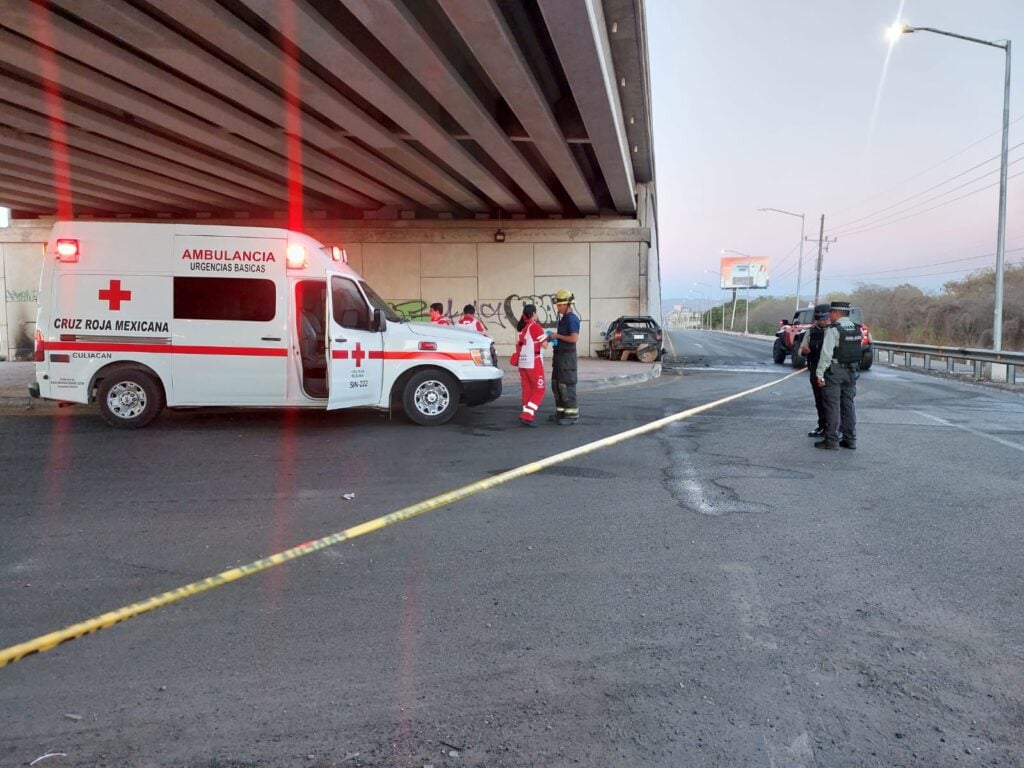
(114, 295)
(358, 354)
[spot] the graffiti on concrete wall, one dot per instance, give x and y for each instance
(411, 309)
(547, 315)
(504, 314)
(21, 319)
(25, 295)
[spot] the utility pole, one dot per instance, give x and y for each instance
(823, 243)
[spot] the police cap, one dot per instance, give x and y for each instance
(821, 311)
(842, 306)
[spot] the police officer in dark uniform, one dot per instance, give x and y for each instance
(811, 349)
(836, 375)
(563, 366)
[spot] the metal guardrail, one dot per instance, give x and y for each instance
(997, 363)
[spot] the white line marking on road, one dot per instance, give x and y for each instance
(978, 432)
(724, 369)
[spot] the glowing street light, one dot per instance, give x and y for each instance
(894, 33)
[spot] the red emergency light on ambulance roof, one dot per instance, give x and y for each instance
(67, 250)
(296, 256)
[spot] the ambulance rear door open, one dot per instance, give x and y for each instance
(355, 353)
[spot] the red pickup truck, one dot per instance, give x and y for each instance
(789, 338)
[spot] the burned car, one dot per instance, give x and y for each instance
(633, 335)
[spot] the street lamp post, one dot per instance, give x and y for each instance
(702, 304)
(719, 286)
(709, 324)
(800, 263)
(997, 323)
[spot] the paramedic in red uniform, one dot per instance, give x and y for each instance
(469, 319)
(530, 342)
(437, 314)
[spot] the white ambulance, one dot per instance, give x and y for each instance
(137, 316)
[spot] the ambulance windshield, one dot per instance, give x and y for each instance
(378, 303)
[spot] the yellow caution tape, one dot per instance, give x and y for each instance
(75, 631)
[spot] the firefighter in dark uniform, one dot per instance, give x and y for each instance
(811, 349)
(563, 367)
(836, 375)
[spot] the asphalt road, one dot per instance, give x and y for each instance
(718, 593)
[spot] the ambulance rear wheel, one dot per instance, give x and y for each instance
(129, 399)
(430, 397)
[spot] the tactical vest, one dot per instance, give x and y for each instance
(848, 350)
(815, 338)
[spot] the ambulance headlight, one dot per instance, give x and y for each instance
(478, 356)
(296, 256)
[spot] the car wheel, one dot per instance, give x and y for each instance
(647, 353)
(430, 398)
(779, 352)
(129, 399)
(867, 359)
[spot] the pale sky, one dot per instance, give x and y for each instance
(770, 103)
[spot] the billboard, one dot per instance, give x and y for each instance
(745, 271)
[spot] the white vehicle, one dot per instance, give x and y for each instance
(138, 316)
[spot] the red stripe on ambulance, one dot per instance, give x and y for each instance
(161, 349)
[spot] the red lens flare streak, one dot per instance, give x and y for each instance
(283, 512)
(407, 681)
(292, 114)
(55, 110)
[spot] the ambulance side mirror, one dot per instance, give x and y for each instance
(379, 324)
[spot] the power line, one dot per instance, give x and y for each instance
(931, 199)
(788, 272)
(923, 266)
(787, 255)
(940, 205)
(849, 224)
(929, 274)
(899, 184)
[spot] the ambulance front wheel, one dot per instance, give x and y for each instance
(430, 397)
(129, 399)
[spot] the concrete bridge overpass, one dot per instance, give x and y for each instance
(422, 107)
(421, 123)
